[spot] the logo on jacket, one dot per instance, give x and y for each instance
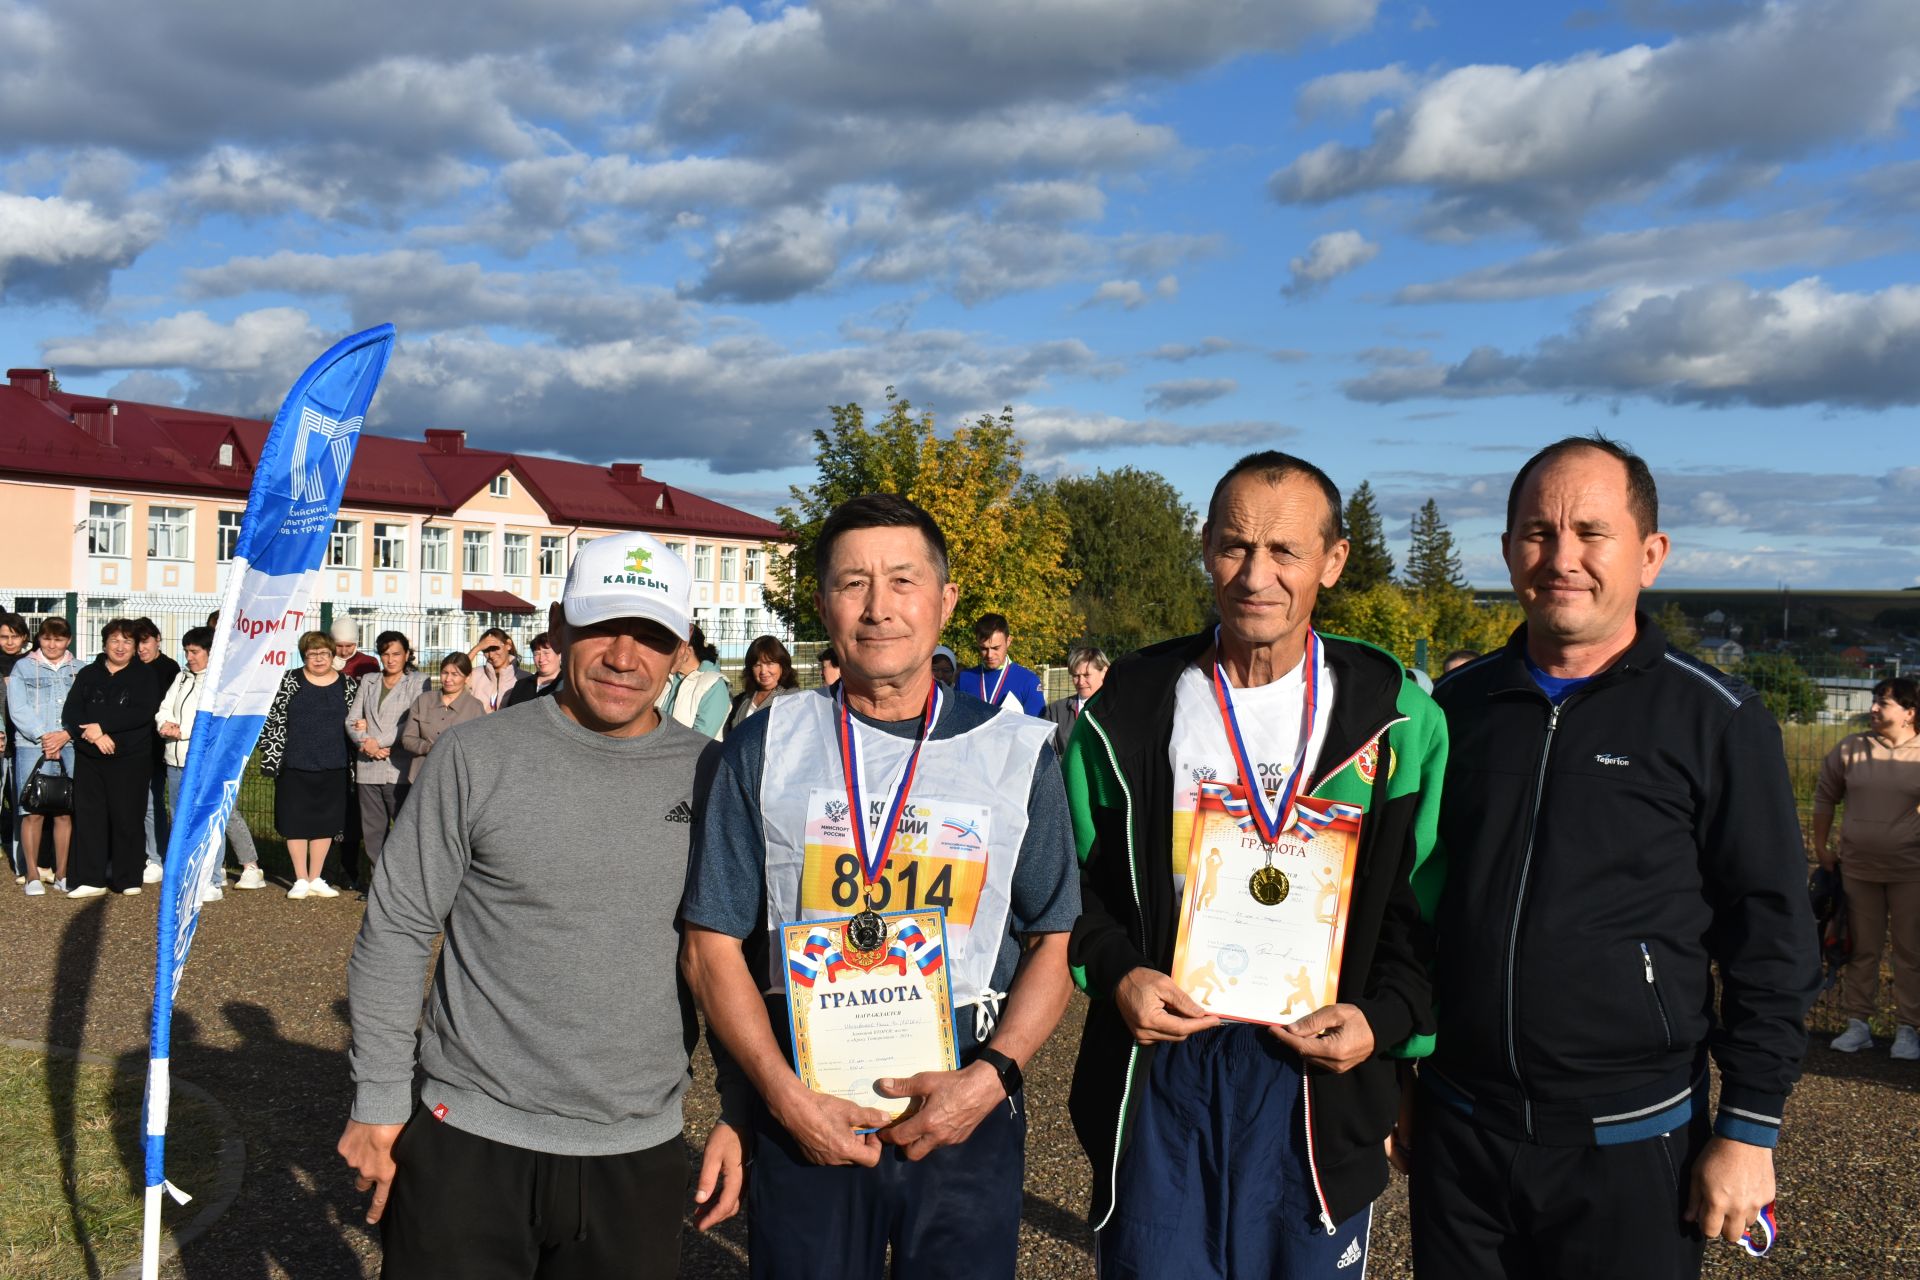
(682, 812)
(439, 1111)
(1368, 761)
(1618, 762)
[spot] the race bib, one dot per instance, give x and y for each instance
(939, 859)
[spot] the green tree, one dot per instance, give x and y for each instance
(1789, 692)
(1432, 562)
(1006, 534)
(1135, 548)
(1369, 562)
(1681, 633)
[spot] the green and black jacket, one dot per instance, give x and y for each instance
(1120, 789)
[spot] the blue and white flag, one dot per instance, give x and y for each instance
(298, 481)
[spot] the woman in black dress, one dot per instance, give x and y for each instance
(109, 712)
(305, 749)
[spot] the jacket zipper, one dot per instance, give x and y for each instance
(1365, 742)
(1519, 900)
(1313, 1169)
(1659, 1001)
(1140, 915)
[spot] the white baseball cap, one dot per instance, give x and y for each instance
(628, 575)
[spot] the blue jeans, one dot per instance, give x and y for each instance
(239, 835)
(25, 756)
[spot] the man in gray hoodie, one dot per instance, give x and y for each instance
(548, 843)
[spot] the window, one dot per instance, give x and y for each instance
(514, 559)
(756, 571)
(729, 564)
(434, 556)
(343, 548)
(580, 542)
(502, 485)
(107, 529)
(36, 606)
(437, 636)
(679, 549)
(226, 453)
(226, 536)
(389, 546)
(553, 556)
(170, 533)
(702, 562)
(474, 551)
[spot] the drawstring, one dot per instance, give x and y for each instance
(986, 1012)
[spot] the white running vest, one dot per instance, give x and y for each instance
(955, 847)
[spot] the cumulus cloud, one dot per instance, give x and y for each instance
(1345, 92)
(772, 260)
(1181, 352)
(1543, 144)
(1328, 257)
(57, 249)
(1185, 393)
(1056, 434)
(1130, 295)
(1714, 345)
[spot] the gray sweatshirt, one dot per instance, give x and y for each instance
(552, 858)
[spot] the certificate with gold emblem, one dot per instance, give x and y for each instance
(1263, 923)
(868, 999)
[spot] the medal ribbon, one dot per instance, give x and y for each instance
(1759, 1238)
(874, 861)
(1269, 825)
(999, 686)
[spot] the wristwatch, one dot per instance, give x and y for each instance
(1007, 1069)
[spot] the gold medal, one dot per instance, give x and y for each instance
(1268, 886)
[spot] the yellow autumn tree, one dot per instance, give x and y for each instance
(1006, 534)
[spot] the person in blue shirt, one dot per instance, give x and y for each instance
(999, 678)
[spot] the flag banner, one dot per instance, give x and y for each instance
(298, 481)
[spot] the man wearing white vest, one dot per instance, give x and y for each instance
(834, 1185)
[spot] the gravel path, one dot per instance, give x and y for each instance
(263, 1026)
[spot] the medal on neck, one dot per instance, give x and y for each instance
(1269, 885)
(999, 686)
(867, 931)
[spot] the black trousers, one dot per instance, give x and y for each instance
(468, 1208)
(1486, 1207)
(109, 820)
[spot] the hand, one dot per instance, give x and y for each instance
(1155, 1008)
(1732, 1182)
(827, 1127)
(1400, 1137)
(104, 742)
(368, 1151)
(952, 1105)
(54, 743)
(722, 1170)
(359, 726)
(169, 730)
(370, 749)
(1829, 859)
(1336, 1037)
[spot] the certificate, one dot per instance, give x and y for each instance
(861, 1015)
(1262, 926)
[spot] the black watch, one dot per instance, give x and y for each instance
(1007, 1069)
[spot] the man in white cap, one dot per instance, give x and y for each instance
(548, 843)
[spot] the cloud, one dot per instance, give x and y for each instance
(1181, 352)
(56, 249)
(1660, 256)
(788, 253)
(1130, 295)
(1345, 92)
(1329, 256)
(1185, 393)
(1544, 144)
(1060, 434)
(1712, 345)
(149, 388)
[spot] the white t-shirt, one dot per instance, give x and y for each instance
(1270, 721)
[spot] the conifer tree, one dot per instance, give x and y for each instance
(1432, 562)
(1369, 562)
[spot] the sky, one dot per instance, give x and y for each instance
(1409, 242)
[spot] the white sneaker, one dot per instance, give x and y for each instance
(46, 875)
(35, 889)
(251, 878)
(1855, 1038)
(60, 885)
(87, 891)
(298, 891)
(19, 879)
(211, 893)
(152, 873)
(131, 893)
(321, 889)
(1906, 1044)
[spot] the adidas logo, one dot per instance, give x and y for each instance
(1353, 1254)
(682, 812)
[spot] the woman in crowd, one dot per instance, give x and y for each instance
(374, 723)
(109, 711)
(1876, 775)
(305, 749)
(496, 669)
(13, 648)
(36, 692)
(148, 648)
(693, 695)
(178, 706)
(546, 672)
(438, 710)
(767, 674)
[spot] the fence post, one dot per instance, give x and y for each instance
(73, 611)
(326, 616)
(1419, 655)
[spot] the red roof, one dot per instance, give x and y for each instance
(494, 602)
(149, 446)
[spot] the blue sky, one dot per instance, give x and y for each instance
(1410, 242)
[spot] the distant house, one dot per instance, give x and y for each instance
(1854, 656)
(1846, 697)
(1723, 653)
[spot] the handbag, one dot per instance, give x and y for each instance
(48, 793)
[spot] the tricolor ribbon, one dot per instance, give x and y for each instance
(1767, 1229)
(999, 687)
(1236, 806)
(873, 853)
(1312, 822)
(1269, 825)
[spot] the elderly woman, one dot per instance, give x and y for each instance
(110, 711)
(178, 706)
(1876, 776)
(496, 669)
(305, 749)
(374, 723)
(36, 692)
(766, 675)
(438, 710)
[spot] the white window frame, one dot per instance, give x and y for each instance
(553, 555)
(343, 545)
(436, 549)
(226, 535)
(756, 565)
(703, 562)
(389, 545)
(107, 528)
(169, 532)
(433, 640)
(501, 486)
(729, 564)
(472, 541)
(508, 558)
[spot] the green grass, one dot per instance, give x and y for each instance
(1807, 746)
(56, 1110)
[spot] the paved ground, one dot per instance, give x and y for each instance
(263, 1027)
